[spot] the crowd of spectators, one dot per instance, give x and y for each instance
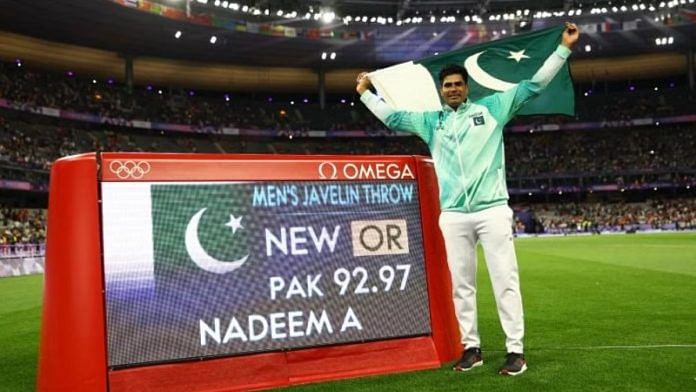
(178, 106)
(289, 114)
(623, 105)
(21, 226)
(629, 157)
(29, 148)
(602, 152)
(570, 218)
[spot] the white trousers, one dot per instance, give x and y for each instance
(493, 227)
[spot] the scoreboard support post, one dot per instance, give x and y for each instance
(74, 352)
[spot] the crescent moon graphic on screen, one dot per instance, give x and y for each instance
(200, 256)
(484, 78)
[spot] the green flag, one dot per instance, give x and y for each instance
(200, 228)
(493, 66)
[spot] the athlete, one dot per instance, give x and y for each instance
(465, 139)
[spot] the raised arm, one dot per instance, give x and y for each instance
(554, 63)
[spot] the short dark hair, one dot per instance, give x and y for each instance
(453, 69)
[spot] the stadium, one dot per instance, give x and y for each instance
(206, 195)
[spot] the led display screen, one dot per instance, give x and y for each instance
(207, 269)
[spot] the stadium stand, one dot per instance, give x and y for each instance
(624, 101)
(21, 226)
(573, 218)
(628, 158)
(541, 166)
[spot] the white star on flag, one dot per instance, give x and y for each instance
(517, 56)
(234, 223)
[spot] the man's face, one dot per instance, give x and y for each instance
(454, 90)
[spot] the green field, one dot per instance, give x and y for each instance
(602, 313)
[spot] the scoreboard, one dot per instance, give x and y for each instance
(211, 269)
(208, 272)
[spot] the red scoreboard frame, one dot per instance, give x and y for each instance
(73, 348)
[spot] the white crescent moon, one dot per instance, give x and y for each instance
(484, 78)
(200, 256)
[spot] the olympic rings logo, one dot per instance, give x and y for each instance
(129, 169)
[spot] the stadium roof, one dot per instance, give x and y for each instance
(105, 24)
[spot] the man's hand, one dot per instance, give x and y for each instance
(363, 83)
(570, 35)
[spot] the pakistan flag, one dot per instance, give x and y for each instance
(174, 254)
(201, 238)
(493, 66)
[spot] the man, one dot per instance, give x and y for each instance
(466, 142)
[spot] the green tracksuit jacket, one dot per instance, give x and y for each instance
(467, 144)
